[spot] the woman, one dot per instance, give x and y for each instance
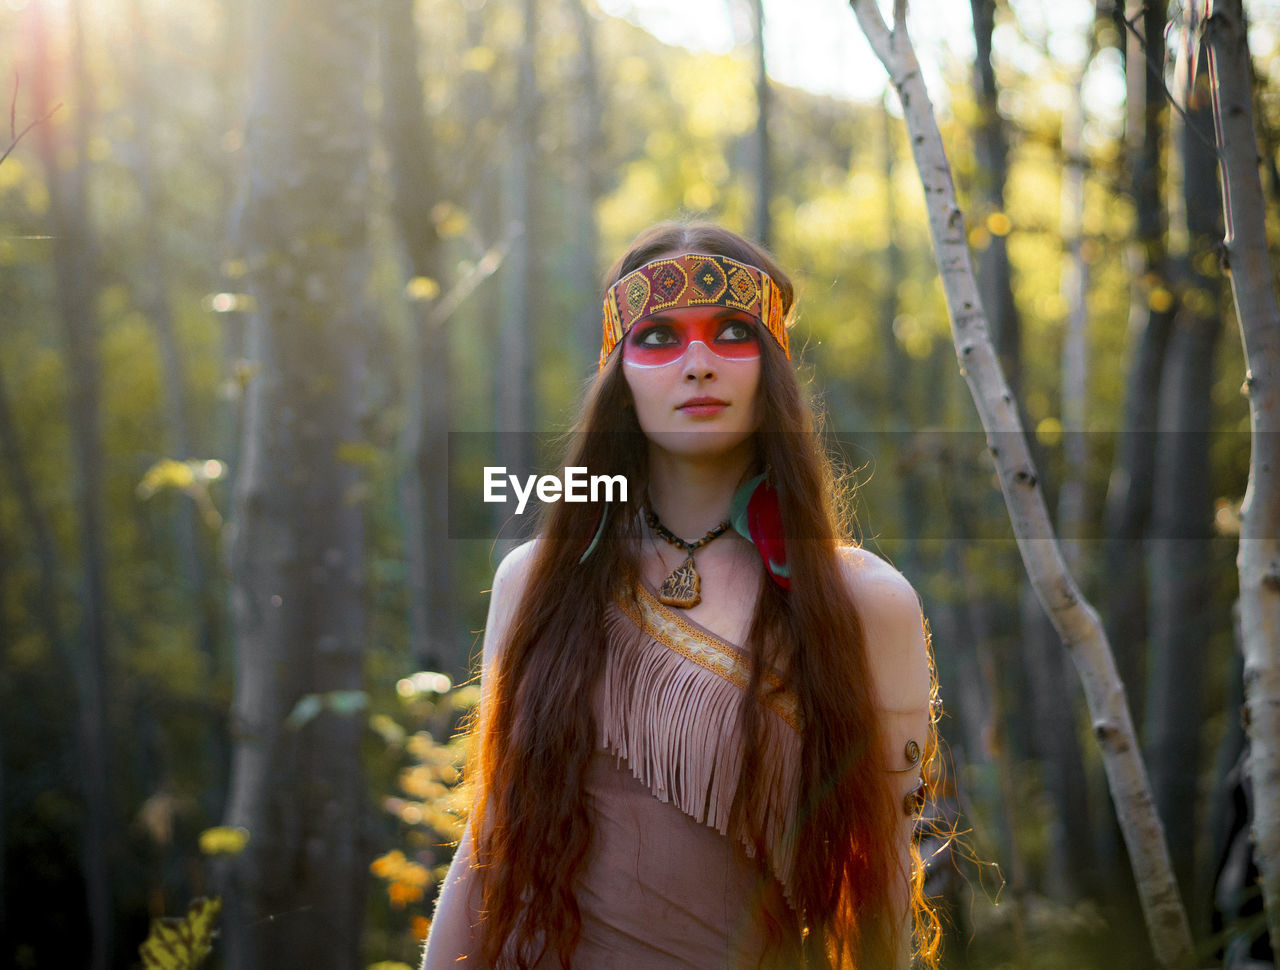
(705, 721)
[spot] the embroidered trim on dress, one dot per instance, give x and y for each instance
(710, 651)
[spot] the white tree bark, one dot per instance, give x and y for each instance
(1076, 621)
(1253, 289)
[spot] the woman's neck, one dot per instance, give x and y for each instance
(692, 496)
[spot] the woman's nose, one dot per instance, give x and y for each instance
(698, 362)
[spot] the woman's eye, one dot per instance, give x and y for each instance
(656, 337)
(736, 331)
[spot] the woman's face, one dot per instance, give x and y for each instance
(694, 373)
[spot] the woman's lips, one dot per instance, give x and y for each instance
(699, 407)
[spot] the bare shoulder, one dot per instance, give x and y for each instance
(893, 628)
(509, 581)
(513, 571)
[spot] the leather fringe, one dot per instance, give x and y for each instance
(669, 707)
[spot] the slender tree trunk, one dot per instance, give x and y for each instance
(896, 416)
(997, 753)
(434, 637)
(1220, 824)
(49, 608)
(1049, 712)
(894, 387)
(514, 353)
(1068, 862)
(991, 157)
(159, 310)
(1128, 503)
(75, 269)
(201, 602)
(1077, 826)
(1179, 547)
(1076, 621)
(1253, 286)
(1075, 349)
(763, 153)
(47, 599)
(295, 895)
(588, 187)
(233, 344)
(1128, 508)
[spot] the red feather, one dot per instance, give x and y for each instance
(764, 522)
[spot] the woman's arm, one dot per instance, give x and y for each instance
(454, 932)
(893, 629)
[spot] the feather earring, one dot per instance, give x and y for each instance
(595, 541)
(755, 515)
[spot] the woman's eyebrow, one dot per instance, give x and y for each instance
(727, 313)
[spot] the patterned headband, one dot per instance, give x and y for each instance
(691, 279)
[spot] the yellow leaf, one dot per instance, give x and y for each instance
(403, 893)
(480, 59)
(358, 453)
(385, 867)
(999, 224)
(166, 473)
(223, 840)
(181, 943)
(450, 220)
(1049, 431)
(422, 289)
(1160, 300)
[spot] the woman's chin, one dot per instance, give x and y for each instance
(704, 444)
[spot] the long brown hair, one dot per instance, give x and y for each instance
(537, 732)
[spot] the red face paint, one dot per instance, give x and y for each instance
(664, 339)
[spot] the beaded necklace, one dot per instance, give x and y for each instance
(683, 587)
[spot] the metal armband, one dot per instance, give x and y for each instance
(911, 751)
(913, 801)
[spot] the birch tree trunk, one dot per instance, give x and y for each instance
(1076, 621)
(1253, 287)
(76, 275)
(295, 895)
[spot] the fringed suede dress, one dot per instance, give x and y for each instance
(667, 885)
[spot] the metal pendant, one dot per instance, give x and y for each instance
(683, 588)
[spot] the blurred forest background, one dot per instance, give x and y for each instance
(271, 273)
